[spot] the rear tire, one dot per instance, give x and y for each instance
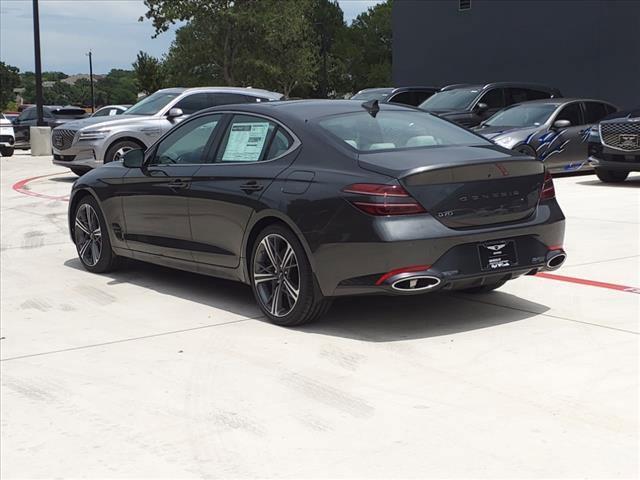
(484, 288)
(119, 148)
(282, 280)
(79, 171)
(6, 151)
(92, 237)
(611, 176)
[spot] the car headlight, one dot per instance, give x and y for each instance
(93, 134)
(506, 142)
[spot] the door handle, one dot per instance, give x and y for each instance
(251, 187)
(177, 184)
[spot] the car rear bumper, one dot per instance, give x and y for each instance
(450, 256)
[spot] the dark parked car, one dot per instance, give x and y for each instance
(469, 105)
(308, 200)
(614, 146)
(54, 116)
(554, 130)
(413, 96)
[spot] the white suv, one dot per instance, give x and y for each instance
(7, 137)
(88, 143)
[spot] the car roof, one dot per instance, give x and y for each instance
(256, 92)
(562, 101)
(484, 86)
(303, 110)
(409, 88)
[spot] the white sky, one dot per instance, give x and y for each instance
(110, 28)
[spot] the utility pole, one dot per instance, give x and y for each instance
(93, 98)
(36, 47)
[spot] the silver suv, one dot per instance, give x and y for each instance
(85, 144)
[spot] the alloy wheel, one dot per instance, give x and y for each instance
(120, 153)
(88, 235)
(276, 275)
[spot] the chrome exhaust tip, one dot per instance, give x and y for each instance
(555, 261)
(416, 283)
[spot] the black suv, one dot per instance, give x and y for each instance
(469, 104)
(614, 146)
(413, 96)
(52, 116)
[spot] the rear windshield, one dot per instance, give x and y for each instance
(456, 99)
(396, 129)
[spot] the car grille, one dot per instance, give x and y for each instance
(62, 138)
(623, 136)
(6, 139)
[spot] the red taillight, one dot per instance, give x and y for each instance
(383, 199)
(548, 191)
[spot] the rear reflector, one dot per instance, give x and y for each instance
(383, 199)
(548, 190)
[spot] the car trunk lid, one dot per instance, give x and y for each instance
(465, 187)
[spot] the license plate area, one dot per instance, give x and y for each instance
(498, 255)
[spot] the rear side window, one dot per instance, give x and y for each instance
(280, 143)
(227, 99)
(572, 113)
(594, 112)
(406, 98)
(537, 94)
(194, 103)
(396, 129)
(246, 140)
(493, 98)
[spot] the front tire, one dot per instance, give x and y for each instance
(118, 149)
(611, 176)
(282, 280)
(92, 238)
(6, 151)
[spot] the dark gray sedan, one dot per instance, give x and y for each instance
(554, 130)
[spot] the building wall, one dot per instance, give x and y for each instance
(587, 48)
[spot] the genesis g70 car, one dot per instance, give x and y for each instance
(309, 200)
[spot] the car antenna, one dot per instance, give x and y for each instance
(371, 107)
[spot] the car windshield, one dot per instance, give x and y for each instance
(457, 99)
(152, 104)
(521, 116)
(379, 95)
(393, 130)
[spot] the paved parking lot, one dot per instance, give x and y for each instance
(148, 372)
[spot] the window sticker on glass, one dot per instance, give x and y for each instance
(246, 141)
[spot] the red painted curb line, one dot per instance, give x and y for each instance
(21, 187)
(591, 283)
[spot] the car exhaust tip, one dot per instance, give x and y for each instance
(555, 261)
(416, 283)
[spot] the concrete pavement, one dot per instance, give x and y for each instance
(149, 372)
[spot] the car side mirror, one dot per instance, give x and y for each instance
(482, 107)
(561, 124)
(175, 112)
(133, 158)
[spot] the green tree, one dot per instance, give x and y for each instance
(148, 71)
(117, 87)
(369, 52)
(286, 54)
(9, 79)
(330, 36)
